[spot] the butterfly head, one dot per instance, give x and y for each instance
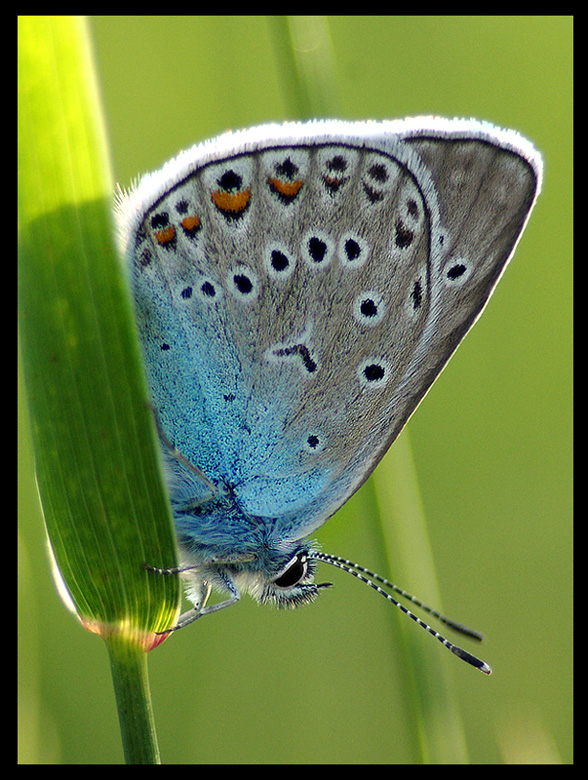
(290, 585)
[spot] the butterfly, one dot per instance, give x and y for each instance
(298, 288)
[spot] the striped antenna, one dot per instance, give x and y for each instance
(360, 571)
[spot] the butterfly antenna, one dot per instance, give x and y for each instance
(360, 571)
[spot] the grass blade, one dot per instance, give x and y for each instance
(98, 473)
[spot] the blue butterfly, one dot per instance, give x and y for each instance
(298, 288)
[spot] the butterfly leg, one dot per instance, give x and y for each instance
(200, 609)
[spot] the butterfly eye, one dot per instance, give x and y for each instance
(294, 573)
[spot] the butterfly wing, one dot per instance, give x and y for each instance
(299, 288)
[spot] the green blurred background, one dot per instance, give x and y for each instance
(492, 442)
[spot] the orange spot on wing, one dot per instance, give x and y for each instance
(166, 235)
(334, 180)
(229, 201)
(191, 223)
(287, 188)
